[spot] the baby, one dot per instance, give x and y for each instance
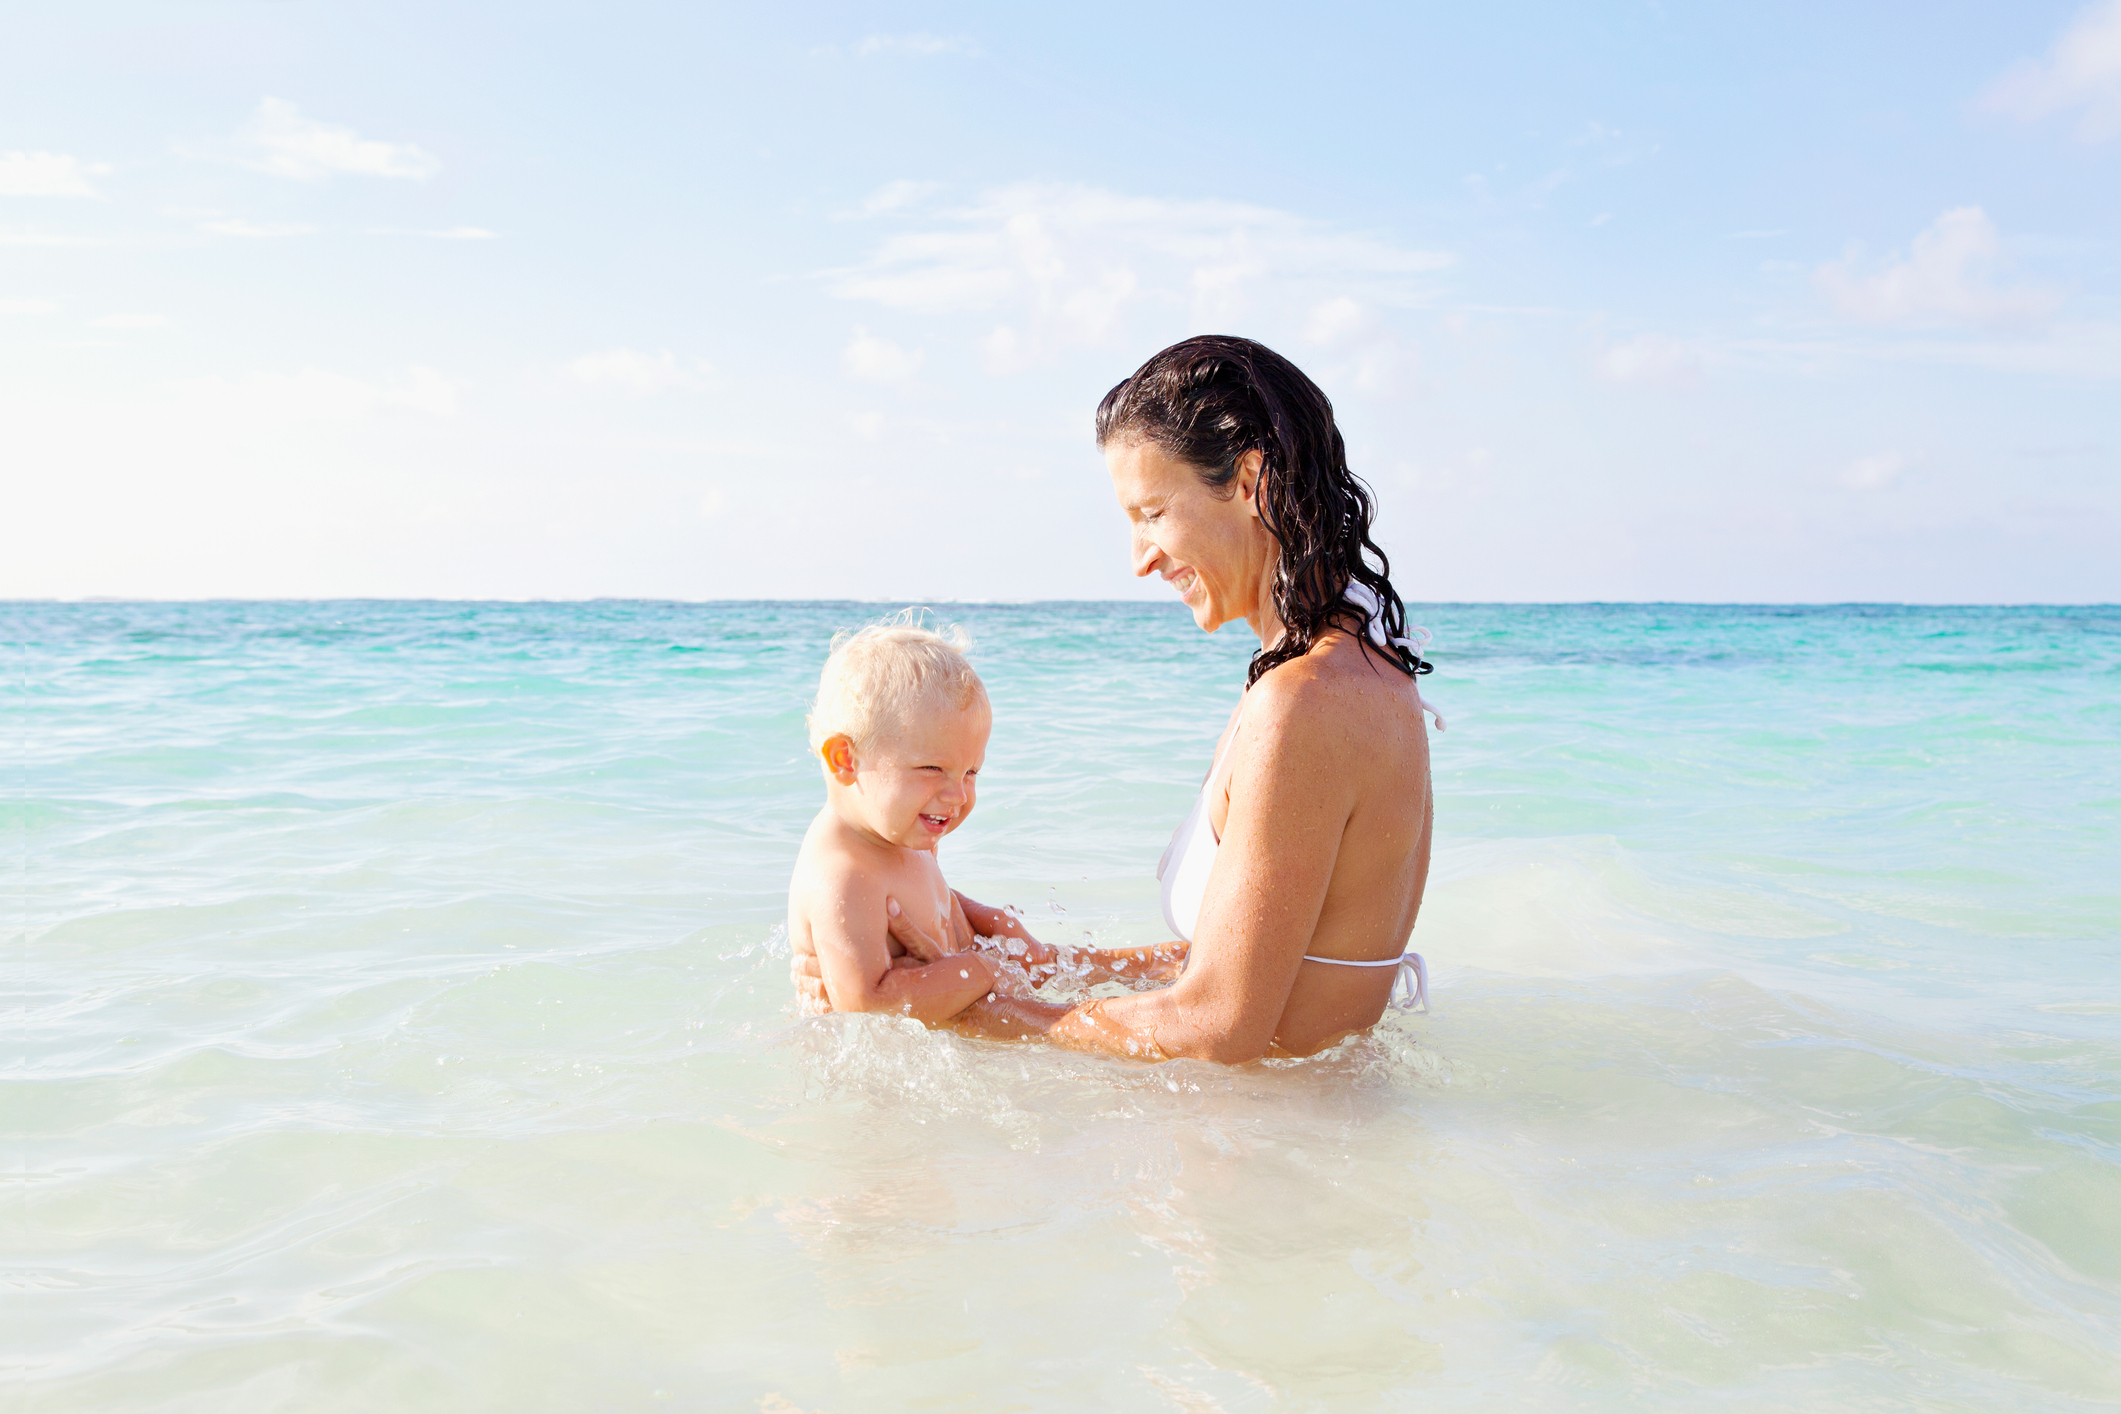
(900, 725)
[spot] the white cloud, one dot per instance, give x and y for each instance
(1068, 266)
(892, 196)
(452, 233)
(1649, 359)
(33, 236)
(1001, 350)
(877, 360)
(27, 306)
(131, 321)
(253, 231)
(1337, 321)
(2081, 350)
(2083, 70)
(312, 395)
(48, 174)
(917, 45)
(279, 140)
(631, 371)
(1874, 472)
(1364, 349)
(1940, 280)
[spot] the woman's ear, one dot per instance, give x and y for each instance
(1248, 466)
(837, 752)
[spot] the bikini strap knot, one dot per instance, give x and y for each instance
(1365, 599)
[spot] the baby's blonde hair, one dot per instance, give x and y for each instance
(880, 676)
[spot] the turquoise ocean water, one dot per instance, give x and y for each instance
(397, 1019)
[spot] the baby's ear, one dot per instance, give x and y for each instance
(837, 752)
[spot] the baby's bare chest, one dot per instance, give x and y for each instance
(919, 889)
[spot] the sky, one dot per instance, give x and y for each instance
(1634, 301)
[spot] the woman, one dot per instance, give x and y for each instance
(1297, 878)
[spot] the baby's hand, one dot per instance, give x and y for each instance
(1038, 961)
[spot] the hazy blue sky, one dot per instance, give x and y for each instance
(1623, 301)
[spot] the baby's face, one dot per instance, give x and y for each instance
(918, 784)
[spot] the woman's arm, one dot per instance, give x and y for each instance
(1293, 788)
(1041, 962)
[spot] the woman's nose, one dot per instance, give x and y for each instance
(1145, 555)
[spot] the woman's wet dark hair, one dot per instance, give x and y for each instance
(1208, 401)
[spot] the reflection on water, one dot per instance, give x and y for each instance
(403, 1023)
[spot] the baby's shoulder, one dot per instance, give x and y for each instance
(825, 865)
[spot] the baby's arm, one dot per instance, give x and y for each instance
(851, 934)
(1087, 965)
(1161, 963)
(985, 922)
(974, 921)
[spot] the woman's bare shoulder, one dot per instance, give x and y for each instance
(1328, 689)
(1301, 720)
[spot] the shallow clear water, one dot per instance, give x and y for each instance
(398, 1021)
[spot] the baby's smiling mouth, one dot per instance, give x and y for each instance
(936, 822)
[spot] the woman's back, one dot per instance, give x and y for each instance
(1366, 784)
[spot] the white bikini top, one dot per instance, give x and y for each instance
(1188, 859)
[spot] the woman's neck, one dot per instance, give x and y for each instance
(1265, 619)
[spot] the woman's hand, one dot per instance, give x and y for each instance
(809, 979)
(908, 935)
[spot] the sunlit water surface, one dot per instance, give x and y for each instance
(399, 1020)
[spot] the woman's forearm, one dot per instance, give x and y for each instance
(1129, 1035)
(997, 1017)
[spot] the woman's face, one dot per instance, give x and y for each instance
(1213, 551)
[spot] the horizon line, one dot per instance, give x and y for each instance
(115, 599)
